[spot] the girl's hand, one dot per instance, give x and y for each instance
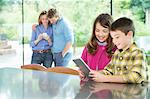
(82, 77)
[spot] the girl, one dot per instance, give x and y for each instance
(98, 51)
(41, 42)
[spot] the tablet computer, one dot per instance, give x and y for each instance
(83, 66)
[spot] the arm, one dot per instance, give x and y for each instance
(34, 27)
(135, 74)
(98, 76)
(40, 37)
(106, 75)
(33, 38)
(67, 47)
(68, 33)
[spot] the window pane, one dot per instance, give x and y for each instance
(10, 33)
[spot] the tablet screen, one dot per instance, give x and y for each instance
(83, 66)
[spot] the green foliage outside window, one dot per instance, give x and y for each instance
(80, 13)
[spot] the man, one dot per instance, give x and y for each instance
(62, 38)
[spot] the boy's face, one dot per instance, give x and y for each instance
(120, 39)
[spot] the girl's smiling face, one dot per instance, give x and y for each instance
(101, 32)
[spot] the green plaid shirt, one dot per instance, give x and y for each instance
(130, 64)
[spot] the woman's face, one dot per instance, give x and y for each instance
(101, 33)
(44, 19)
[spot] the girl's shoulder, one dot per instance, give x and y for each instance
(85, 48)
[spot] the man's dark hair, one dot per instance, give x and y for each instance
(52, 13)
(124, 25)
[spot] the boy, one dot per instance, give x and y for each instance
(128, 64)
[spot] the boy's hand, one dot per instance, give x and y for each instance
(34, 27)
(96, 76)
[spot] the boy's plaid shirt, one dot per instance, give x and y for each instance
(130, 64)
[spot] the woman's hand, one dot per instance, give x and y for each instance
(40, 37)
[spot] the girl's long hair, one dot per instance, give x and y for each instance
(105, 20)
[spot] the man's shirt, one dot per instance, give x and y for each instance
(62, 33)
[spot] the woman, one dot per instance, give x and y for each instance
(41, 42)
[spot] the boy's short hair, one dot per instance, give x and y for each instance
(52, 13)
(124, 25)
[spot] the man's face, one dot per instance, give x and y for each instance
(120, 39)
(53, 20)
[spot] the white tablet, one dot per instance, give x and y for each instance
(83, 66)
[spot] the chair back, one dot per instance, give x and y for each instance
(64, 70)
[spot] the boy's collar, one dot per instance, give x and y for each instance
(130, 48)
(120, 50)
